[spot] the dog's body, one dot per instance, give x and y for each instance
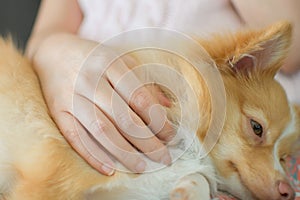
(37, 163)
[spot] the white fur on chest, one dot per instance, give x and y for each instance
(157, 184)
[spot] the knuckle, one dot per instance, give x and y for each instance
(71, 135)
(57, 105)
(125, 121)
(141, 100)
(167, 134)
(156, 147)
(99, 126)
(73, 138)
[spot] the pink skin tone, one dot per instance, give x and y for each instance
(54, 41)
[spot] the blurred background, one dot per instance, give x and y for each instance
(17, 18)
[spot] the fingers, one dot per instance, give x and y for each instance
(158, 93)
(107, 135)
(141, 100)
(106, 120)
(83, 144)
(127, 123)
(135, 131)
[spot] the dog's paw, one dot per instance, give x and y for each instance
(181, 194)
(186, 194)
(190, 187)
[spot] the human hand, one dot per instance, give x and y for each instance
(80, 100)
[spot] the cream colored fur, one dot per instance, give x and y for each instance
(37, 163)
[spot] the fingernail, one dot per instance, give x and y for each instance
(169, 138)
(163, 100)
(109, 171)
(140, 167)
(166, 160)
(171, 133)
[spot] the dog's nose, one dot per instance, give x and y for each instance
(286, 191)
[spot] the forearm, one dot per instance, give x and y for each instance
(54, 35)
(58, 49)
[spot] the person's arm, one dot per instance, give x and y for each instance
(57, 53)
(54, 16)
(259, 13)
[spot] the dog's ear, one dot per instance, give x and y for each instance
(263, 50)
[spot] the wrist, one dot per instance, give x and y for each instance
(60, 49)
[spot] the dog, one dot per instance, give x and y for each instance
(261, 128)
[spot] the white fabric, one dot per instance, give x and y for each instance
(105, 18)
(291, 85)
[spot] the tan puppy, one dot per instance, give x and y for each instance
(261, 129)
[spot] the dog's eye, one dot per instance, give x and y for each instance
(257, 128)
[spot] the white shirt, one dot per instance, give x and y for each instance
(105, 18)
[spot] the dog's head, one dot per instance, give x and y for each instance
(261, 127)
